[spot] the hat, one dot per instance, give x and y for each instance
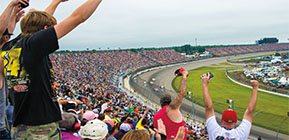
(7, 32)
(110, 122)
(229, 116)
(108, 110)
(125, 127)
(95, 129)
(89, 115)
(95, 111)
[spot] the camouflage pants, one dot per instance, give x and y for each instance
(49, 131)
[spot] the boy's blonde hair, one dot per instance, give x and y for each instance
(35, 21)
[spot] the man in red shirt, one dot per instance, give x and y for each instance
(170, 112)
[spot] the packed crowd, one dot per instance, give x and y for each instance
(164, 56)
(224, 51)
(82, 70)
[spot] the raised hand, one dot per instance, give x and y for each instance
(205, 78)
(180, 134)
(254, 83)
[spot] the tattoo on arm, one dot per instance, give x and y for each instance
(176, 103)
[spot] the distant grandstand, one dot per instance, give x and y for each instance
(225, 51)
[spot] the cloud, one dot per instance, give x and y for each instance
(156, 23)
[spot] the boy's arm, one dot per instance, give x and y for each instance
(15, 17)
(80, 15)
(53, 5)
(5, 17)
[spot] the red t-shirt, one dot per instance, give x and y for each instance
(172, 128)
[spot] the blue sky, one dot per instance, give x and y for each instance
(161, 23)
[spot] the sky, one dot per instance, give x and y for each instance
(163, 23)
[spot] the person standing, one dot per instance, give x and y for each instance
(8, 15)
(28, 71)
(229, 117)
(170, 112)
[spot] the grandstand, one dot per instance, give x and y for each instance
(164, 56)
(225, 51)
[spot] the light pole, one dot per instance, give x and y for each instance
(231, 103)
(193, 107)
(281, 125)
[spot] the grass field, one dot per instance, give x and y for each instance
(272, 109)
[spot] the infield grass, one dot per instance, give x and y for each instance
(272, 109)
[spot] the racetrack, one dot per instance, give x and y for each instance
(165, 76)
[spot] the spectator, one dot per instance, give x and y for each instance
(229, 117)
(87, 116)
(94, 130)
(170, 112)
(136, 135)
(69, 125)
(143, 123)
(9, 13)
(160, 133)
(111, 129)
(115, 118)
(35, 94)
(124, 128)
(104, 106)
(107, 113)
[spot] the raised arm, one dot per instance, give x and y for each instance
(53, 5)
(206, 95)
(144, 114)
(15, 17)
(80, 15)
(177, 101)
(252, 103)
(5, 17)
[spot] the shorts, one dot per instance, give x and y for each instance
(49, 131)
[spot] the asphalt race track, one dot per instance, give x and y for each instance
(165, 76)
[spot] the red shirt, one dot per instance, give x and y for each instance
(172, 128)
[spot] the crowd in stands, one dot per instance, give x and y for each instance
(224, 51)
(86, 85)
(90, 69)
(164, 56)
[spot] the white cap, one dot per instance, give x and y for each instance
(95, 130)
(124, 126)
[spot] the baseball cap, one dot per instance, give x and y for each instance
(125, 127)
(229, 116)
(95, 130)
(108, 110)
(109, 123)
(89, 115)
(95, 111)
